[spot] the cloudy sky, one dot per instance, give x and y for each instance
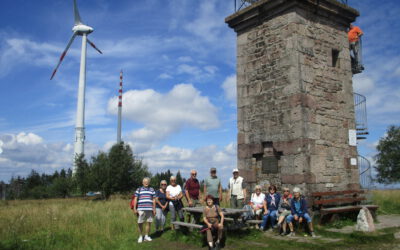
(178, 58)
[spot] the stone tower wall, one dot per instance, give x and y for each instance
(295, 95)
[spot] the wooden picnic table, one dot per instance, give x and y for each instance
(229, 212)
(231, 215)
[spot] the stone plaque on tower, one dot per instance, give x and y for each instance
(295, 94)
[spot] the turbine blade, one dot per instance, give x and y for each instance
(63, 55)
(77, 17)
(94, 46)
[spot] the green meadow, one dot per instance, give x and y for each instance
(81, 224)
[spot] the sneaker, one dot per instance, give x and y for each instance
(140, 240)
(313, 235)
(291, 234)
(261, 228)
(283, 234)
(147, 238)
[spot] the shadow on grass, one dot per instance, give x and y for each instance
(158, 234)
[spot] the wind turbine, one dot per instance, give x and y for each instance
(83, 30)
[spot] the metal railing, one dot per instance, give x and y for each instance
(241, 4)
(364, 168)
(360, 110)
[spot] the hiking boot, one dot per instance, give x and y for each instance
(313, 235)
(140, 240)
(291, 234)
(147, 238)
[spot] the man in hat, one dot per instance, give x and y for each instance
(212, 186)
(237, 190)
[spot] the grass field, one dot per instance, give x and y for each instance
(388, 201)
(81, 224)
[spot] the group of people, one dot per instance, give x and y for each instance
(278, 210)
(149, 203)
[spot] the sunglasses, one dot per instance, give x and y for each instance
(194, 174)
(163, 184)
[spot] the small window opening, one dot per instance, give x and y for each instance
(335, 58)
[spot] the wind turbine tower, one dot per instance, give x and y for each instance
(79, 29)
(119, 109)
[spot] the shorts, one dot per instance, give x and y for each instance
(145, 216)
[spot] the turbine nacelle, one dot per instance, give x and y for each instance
(81, 29)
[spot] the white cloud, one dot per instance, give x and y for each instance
(397, 71)
(229, 87)
(96, 106)
(17, 51)
(201, 159)
(23, 151)
(165, 76)
(208, 24)
(382, 98)
(187, 69)
(28, 139)
(210, 69)
(163, 114)
(363, 84)
(185, 59)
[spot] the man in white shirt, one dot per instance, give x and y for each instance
(237, 190)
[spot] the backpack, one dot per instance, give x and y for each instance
(248, 215)
(132, 202)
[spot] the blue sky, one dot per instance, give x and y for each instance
(179, 63)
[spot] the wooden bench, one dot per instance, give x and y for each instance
(188, 225)
(334, 202)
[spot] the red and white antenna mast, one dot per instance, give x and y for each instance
(119, 108)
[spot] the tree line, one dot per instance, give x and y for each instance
(116, 171)
(120, 171)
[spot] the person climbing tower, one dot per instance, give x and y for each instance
(354, 36)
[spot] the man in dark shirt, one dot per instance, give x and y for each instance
(192, 193)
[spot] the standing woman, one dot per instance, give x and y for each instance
(214, 219)
(174, 195)
(161, 206)
(271, 203)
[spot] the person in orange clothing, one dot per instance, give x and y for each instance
(354, 35)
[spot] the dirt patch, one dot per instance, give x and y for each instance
(384, 221)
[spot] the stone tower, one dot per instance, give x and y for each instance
(296, 121)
